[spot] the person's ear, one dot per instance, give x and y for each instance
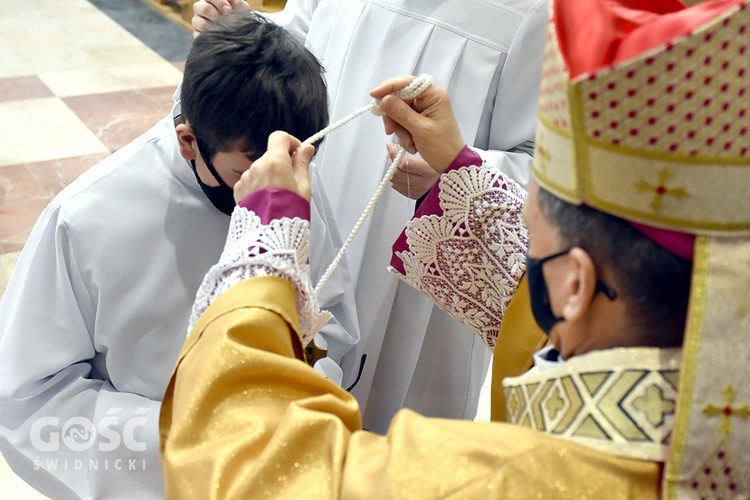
(579, 284)
(186, 140)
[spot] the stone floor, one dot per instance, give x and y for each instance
(78, 80)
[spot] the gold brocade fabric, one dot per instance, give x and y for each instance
(244, 417)
(519, 338)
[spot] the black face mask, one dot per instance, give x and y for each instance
(221, 196)
(540, 303)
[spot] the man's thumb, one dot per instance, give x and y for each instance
(399, 111)
(303, 156)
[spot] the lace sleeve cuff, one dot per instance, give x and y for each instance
(279, 248)
(470, 259)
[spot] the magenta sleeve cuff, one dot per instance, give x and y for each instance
(431, 204)
(275, 203)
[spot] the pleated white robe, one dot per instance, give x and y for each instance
(488, 55)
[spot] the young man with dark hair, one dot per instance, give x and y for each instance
(619, 407)
(239, 88)
(99, 303)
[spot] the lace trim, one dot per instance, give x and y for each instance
(253, 249)
(470, 260)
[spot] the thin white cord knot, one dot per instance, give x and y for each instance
(416, 87)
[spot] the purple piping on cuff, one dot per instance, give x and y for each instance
(275, 203)
(431, 204)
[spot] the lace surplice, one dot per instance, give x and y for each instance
(279, 248)
(470, 257)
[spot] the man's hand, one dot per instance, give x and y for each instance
(279, 167)
(425, 125)
(414, 177)
(207, 11)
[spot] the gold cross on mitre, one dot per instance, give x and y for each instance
(542, 154)
(727, 411)
(661, 189)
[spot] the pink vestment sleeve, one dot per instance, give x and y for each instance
(431, 204)
(275, 203)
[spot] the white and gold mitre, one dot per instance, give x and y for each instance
(661, 136)
(645, 114)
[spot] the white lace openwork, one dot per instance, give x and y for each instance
(279, 248)
(470, 260)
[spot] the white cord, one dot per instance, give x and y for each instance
(373, 106)
(411, 91)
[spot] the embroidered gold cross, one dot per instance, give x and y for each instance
(542, 153)
(727, 411)
(660, 190)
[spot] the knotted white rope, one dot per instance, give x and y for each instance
(419, 85)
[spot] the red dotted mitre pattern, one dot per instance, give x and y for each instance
(685, 99)
(662, 137)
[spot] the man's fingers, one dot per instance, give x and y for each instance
(207, 11)
(400, 112)
(300, 165)
(301, 161)
(279, 140)
(240, 5)
(405, 140)
(304, 155)
(399, 189)
(210, 11)
(224, 6)
(390, 125)
(294, 144)
(199, 24)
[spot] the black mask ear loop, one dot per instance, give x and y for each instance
(203, 150)
(221, 196)
(541, 307)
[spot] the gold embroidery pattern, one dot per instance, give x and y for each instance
(718, 475)
(542, 154)
(623, 406)
(727, 411)
(661, 189)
